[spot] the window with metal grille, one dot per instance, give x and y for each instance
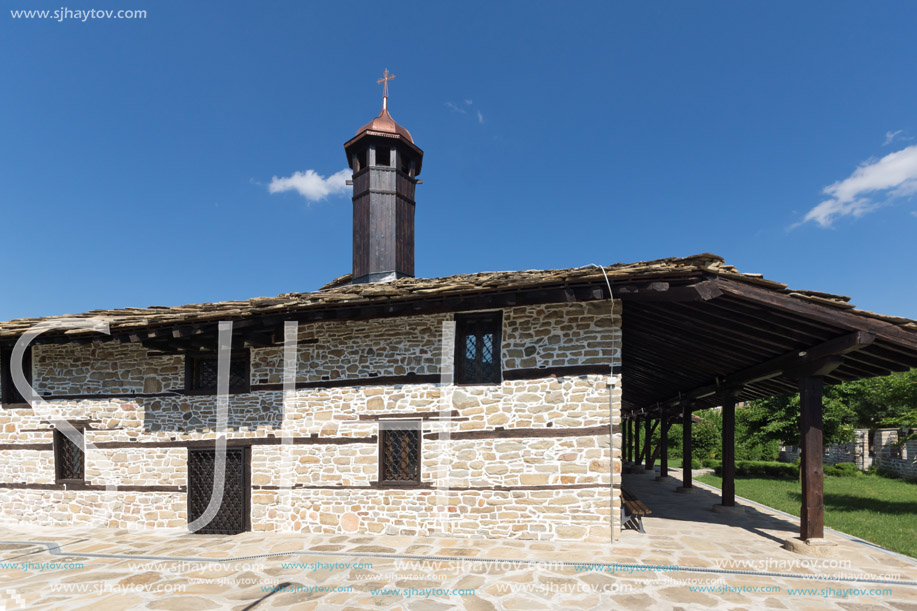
(68, 458)
(9, 394)
(233, 513)
(201, 373)
(477, 348)
(399, 452)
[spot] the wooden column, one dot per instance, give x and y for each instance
(663, 445)
(637, 439)
(648, 444)
(627, 440)
(812, 517)
(686, 446)
(729, 448)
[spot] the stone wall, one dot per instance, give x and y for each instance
(93, 508)
(887, 455)
(575, 514)
(130, 467)
(32, 466)
(861, 456)
(528, 458)
(557, 335)
(553, 335)
(894, 457)
(357, 349)
(855, 451)
(71, 369)
(885, 444)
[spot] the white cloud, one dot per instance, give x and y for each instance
(463, 109)
(874, 183)
(312, 185)
(890, 136)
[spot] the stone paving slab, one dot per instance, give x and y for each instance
(683, 534)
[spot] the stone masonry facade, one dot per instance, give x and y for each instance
(530, 457)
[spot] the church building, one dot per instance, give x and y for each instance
(497, 405)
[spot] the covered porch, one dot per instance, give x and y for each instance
(691, 343)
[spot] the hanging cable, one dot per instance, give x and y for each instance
(615, 350)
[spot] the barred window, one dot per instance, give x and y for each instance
(9, 394)
(399, 452)
(68, 457)
(201, 373)
(477, 348)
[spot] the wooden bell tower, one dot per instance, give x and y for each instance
(385, 163)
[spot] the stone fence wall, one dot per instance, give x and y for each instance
(887, 454)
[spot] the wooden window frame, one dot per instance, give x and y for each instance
(58, 441)
(386, 152)
(7, 387)
(383, 424)
(246, 481)
(462, 322)
(192, 362)
(361, 159)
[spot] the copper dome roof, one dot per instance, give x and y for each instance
(386, 124)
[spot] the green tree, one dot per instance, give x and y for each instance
(707, 435)
(674, 439)
(776, 419)
(888, 401)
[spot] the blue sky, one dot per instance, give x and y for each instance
(136, 155)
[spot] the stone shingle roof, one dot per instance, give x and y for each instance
(340, 293)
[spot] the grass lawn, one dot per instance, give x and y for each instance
(675, 463)
(877, 509)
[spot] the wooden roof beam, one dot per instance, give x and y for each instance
(187, 331)
(827, 314)
(732, 332)
(792, 361)
(662, 291)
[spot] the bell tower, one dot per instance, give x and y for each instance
(385, 163)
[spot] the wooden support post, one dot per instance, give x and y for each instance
(811, 469)
(637, 440)
(686, 483)
(625, 435)
(728, 498)
(812, 517)
(729, 450)
(663, 445)
(648, 444)
(630, 439)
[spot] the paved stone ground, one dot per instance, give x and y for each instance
(150, 571)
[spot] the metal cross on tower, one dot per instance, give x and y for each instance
(385, 79)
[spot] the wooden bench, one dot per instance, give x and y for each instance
(632, 511)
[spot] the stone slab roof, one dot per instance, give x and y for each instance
(340, 293)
